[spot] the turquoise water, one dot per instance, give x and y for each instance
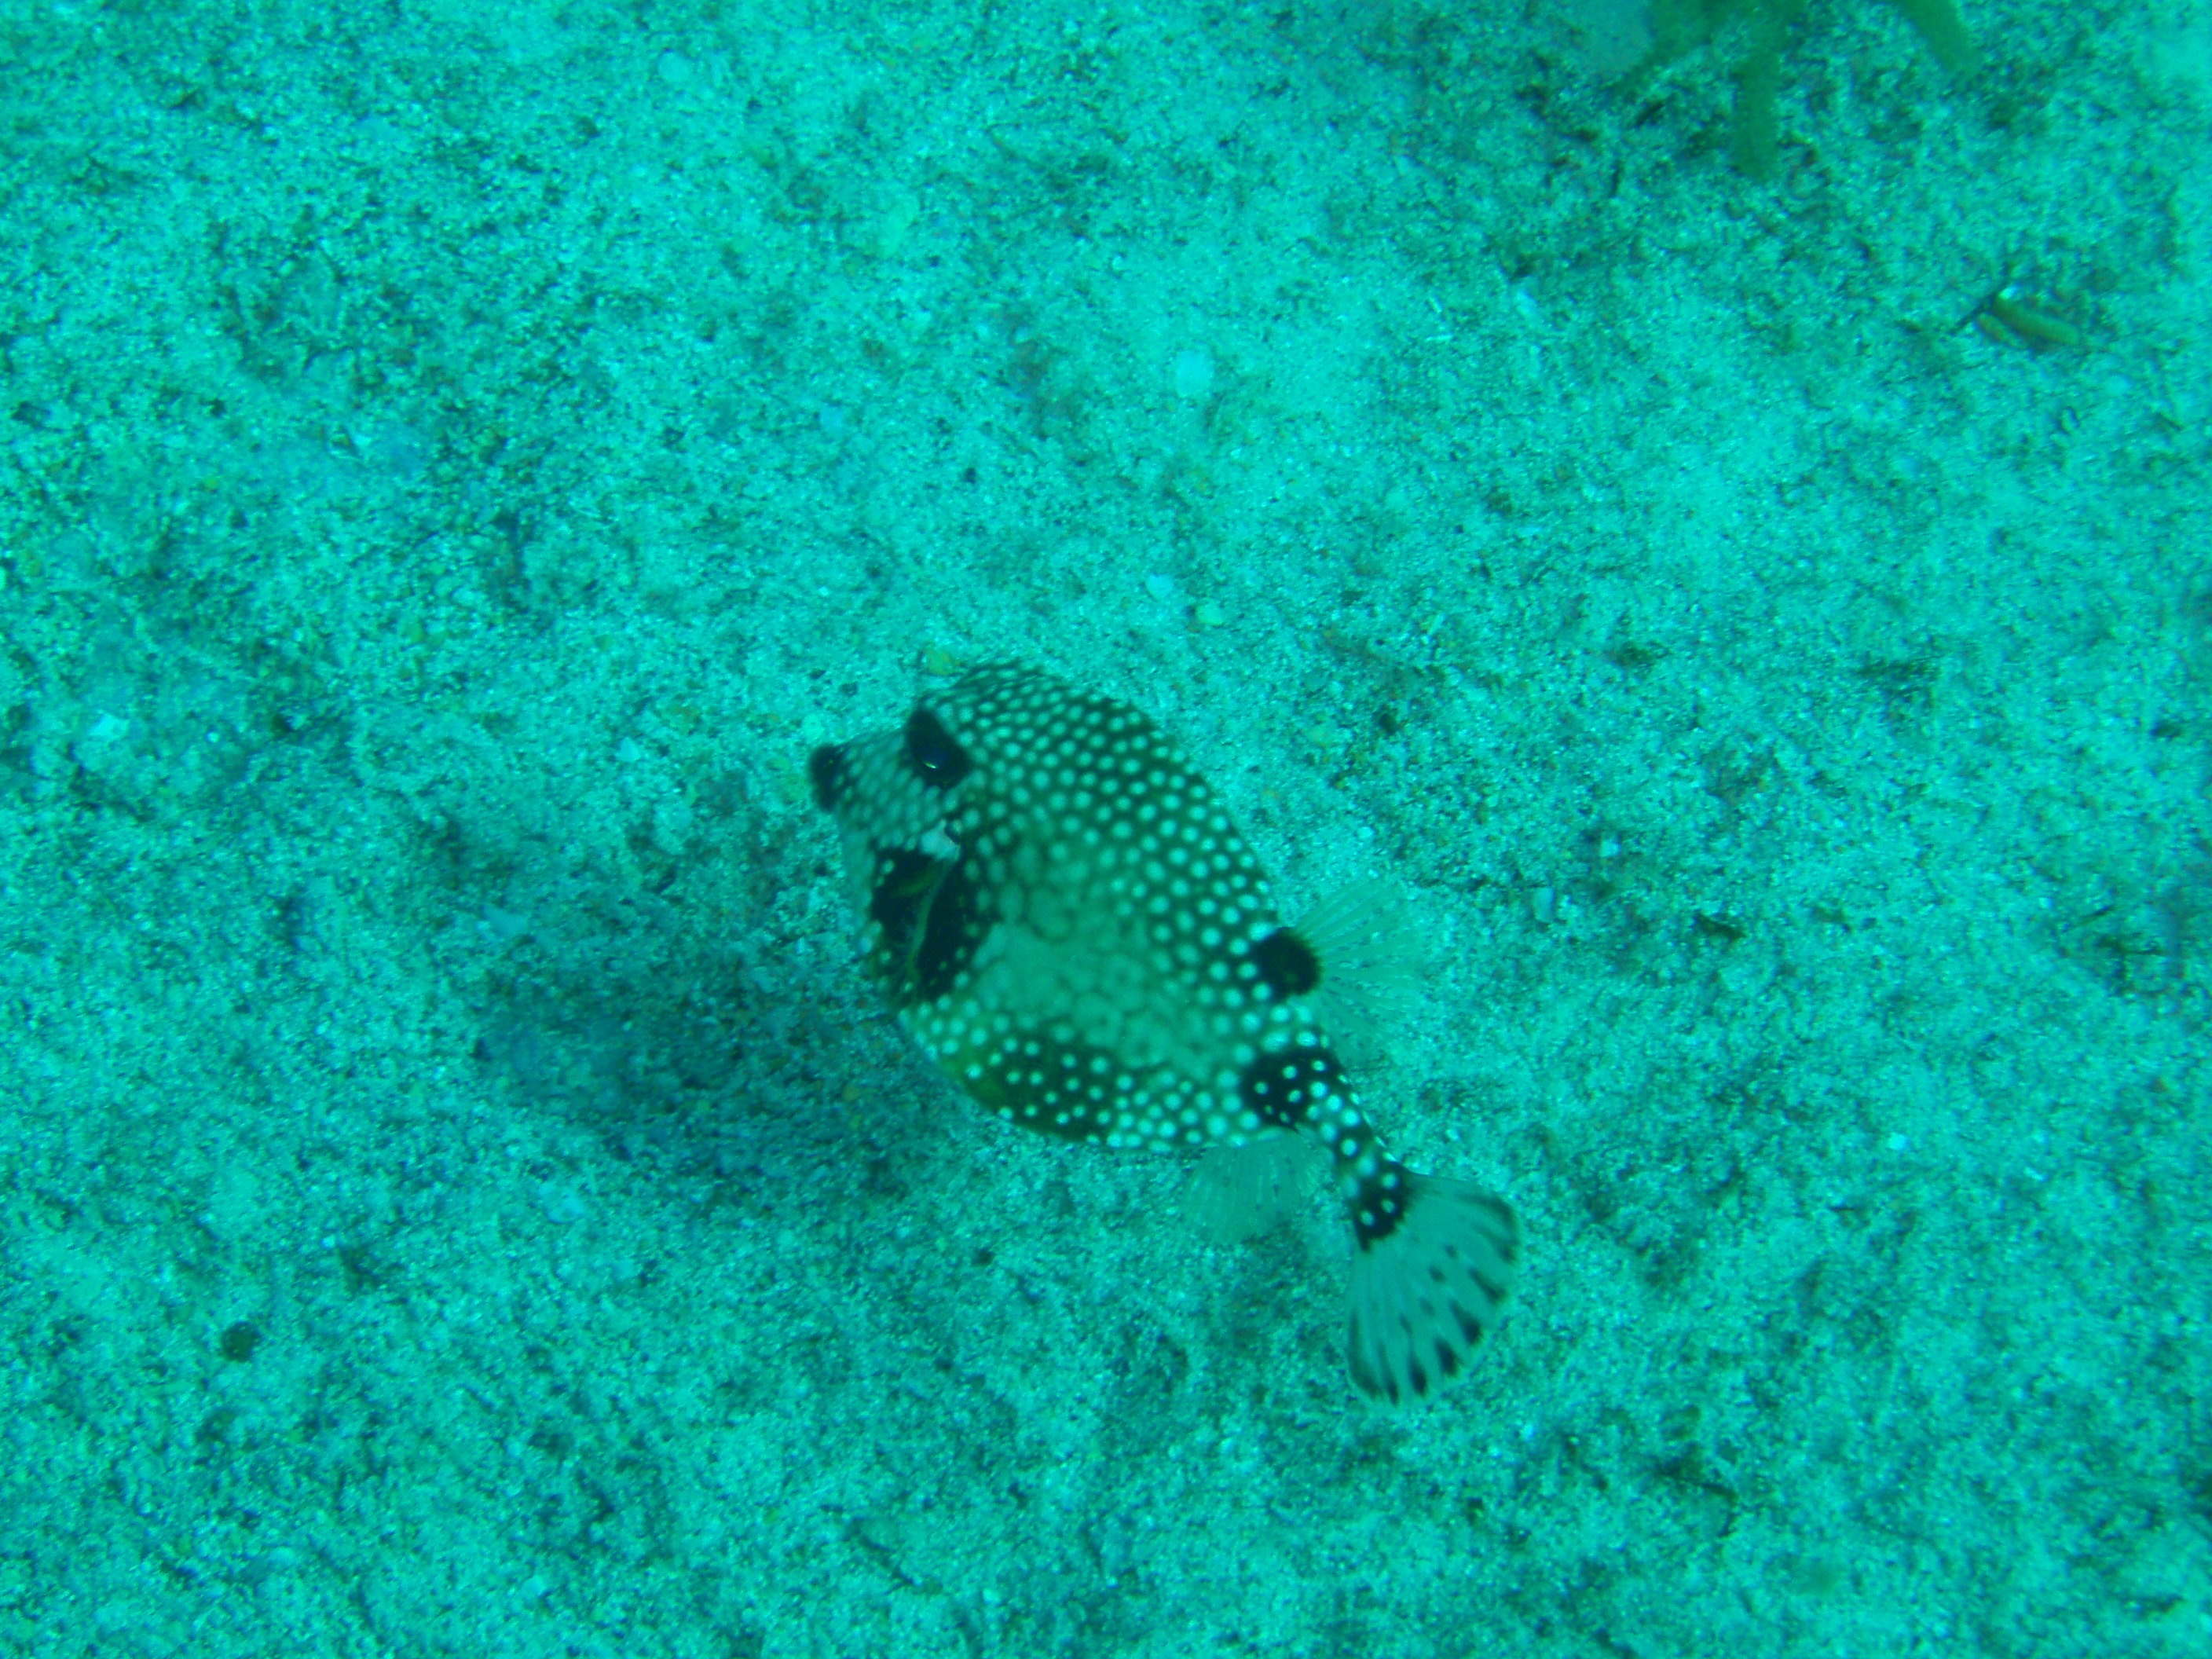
(456, 1192)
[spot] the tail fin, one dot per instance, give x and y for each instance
(1424, 1293)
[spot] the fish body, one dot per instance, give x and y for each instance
(1064, 917)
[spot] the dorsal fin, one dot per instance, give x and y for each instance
(1370, 959)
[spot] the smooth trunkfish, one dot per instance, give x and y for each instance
(1063, 917)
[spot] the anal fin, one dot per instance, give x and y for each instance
(1237, 1193)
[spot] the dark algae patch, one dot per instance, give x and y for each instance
(1755, 35)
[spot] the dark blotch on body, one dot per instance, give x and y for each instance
(1282, 1087)
(1287, 964)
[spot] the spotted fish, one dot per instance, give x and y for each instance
(1063, 917)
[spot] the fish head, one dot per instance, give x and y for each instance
(899, 798)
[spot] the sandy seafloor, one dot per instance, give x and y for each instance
(458, 1194)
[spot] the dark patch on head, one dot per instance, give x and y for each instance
(933, 919)
(931, 750)
(1287, 964)
(957, 924)
(1283, 1087)
(901, 897)
(825, 770)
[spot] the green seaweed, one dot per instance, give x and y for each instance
(1766, 27)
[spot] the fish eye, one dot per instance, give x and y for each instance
(931, 750)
